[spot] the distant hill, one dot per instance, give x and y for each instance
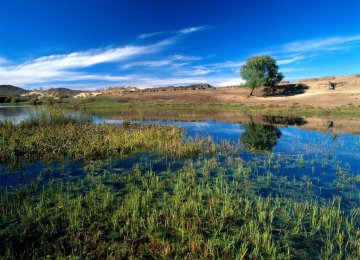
(11, 91)
(54, 93)
(64, 92)
(173, 88)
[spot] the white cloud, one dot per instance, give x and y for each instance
(63, 67)
(184, 57)
(149, 35)
(3, 60)
(321, 44)
(172, 61)
(224, 82)
(150, 63)
(201, 71)
(193, 29)
(194, 71)
(179, 32)
(291, 59)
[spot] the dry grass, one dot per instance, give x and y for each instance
(317, 95)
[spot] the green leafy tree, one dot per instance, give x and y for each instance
(261, 71)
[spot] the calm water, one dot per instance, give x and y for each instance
(15, 113)
(294, 152)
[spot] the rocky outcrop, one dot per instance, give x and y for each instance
(87, 94)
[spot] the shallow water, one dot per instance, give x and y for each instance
(15, 113)
(280, 145)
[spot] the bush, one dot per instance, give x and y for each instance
(34, 101)
(15, 100)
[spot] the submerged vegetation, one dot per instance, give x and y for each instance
(199, 211)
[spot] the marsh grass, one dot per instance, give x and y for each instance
(58, 135)
(199, 211)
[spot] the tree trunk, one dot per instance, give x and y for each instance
(252, 90)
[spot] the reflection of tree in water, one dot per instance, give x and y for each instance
(259, 138)
(284, 120)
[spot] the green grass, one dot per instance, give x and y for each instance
(56, 136)
(184, 214)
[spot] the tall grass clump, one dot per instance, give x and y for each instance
(59, 135)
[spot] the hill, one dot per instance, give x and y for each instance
(179, 88)
(11, 91)
(54, 93)
(63, 92)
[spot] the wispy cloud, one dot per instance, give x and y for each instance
(75, 67)
(194, 71)
(290, 59)
(140, 64)
(321, 44)
(193, 29)
(148, 63)
(173, 61)
(179, 32)
(3, 60)
(304, 50)
(185, 57)
(65, 67)
(153, 34)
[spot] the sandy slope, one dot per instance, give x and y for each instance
(316, 94)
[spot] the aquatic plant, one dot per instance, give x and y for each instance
(142, 214)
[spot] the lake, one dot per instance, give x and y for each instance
(286, 137)
(305, 159)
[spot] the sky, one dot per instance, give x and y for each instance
(92, 44)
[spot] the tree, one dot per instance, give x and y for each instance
(261, 71)
(332, 85)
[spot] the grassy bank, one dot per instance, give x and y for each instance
(57, 136)
(295, 110)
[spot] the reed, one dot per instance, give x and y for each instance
(59, 136)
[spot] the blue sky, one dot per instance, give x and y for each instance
(88, 44)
